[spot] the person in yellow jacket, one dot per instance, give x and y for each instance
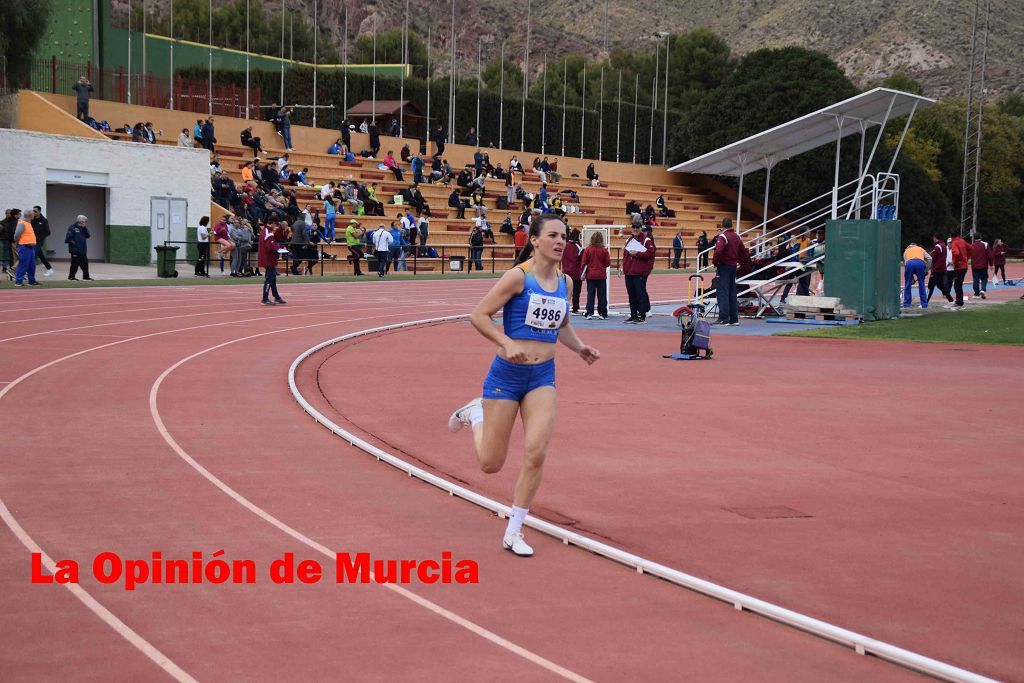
(25, 238)
(915, 265)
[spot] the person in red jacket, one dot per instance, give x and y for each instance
(636, 255)
(999, 250)
(961, 258)
(981, 259)
(520, 239)
(596, 261)
(268, 247)
(728, 252)
(572, 266)
(937, 277)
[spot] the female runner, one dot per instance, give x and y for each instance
(534, 296)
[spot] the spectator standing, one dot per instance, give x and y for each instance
(677, 249)
(197, 133)
(914, 266)
(638, 251)
(938, 277)
(209, 136)
(520, 239)
(354, 241)
(417, 168)
(424, 232)
(285, 116)
(439, 140)
(203, 247)
(82, 89)
(595, 263)
(981, 259)
(374, 138)
(184, 140)
(7, 239)
(999, 250)
(25, 238)
(330, 213)
(267, 260)
(476, 248)
(648, 268)
(471, 138)
(382, 246)
(300, 245)
(241, 237)
(702, 246)
(396, 253)
(78, 247)
(41, 227)
(572, 266)
(961, 259)
(725, 259)
(346, 134)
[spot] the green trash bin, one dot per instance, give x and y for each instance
(165, 258)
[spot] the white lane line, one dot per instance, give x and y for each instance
(470, 626)
(860, 643)
(80, 593)
(111, 620)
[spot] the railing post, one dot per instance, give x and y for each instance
(120, 84)
(53, 74)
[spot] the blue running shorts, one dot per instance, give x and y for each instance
(511, 381)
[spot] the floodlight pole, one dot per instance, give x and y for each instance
(316, 30)
(739, 193)
(544, 107)
(583, 109)
(636, 110)
(565, 82)
(664, 126)
(281, 97)
(246, 58)
(654, 103)
(344, 91)
(405, 63)
(600, 120)
(426, 142)
(526, 80)
(129, 54)
(209, 77)
(835, 184)
(171, 59)
(501, 99)
(618, 120)
(769, 163)
(479, 52)
(373, 106)
(143, 83)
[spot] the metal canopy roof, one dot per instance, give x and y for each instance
(805, 133)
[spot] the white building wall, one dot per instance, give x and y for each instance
(134, 173)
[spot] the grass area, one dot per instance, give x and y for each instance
(998, 324)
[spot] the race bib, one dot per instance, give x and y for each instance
(545, 312)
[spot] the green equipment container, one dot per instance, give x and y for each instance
(862, 266)
(165, 258)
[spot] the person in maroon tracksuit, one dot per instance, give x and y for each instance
(268, 262)
(999, 250)
(938, 278)
(981, 259)
(634, 267)
(572, 266)
(648, 269)
(728, 248)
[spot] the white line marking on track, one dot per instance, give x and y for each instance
(470, 626)
(822, 629)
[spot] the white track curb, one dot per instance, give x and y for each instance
(860, 643)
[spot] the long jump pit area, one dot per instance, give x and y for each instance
(795, 509)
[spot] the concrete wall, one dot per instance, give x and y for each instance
(131, 173)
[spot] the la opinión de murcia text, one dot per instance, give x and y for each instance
(110, 568)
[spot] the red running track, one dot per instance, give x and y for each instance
(84, 469)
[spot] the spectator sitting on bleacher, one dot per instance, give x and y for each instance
(476, 199)
(663, 209)
(436, 169)
(553, 171)
(465, 177)
(282, 161)
(649, 217)
(404, 153)
(447, 173)
(542, 198)
(417, 200)
(456, 202)
(336, 147)
(137, 132)
(249, 141)
(184, 140)
(148, 133)
(215, 165)
(392, 165)
(221, 237)
(352, 197)
(506, 225)
(514, 166)
(302, 178)
(498, 172)
(480, 221)
(487, 168)
(368, 195)
(555, 206)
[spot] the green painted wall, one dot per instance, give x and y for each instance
(128, 245)
(192, 252)
(69, 34)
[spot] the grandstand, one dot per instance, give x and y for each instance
(699, 202)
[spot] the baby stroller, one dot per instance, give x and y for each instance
(696, 331)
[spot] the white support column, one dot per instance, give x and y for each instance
(835, 183)
(860, 168)
(899, 146)
(769, 163)
(739, 194)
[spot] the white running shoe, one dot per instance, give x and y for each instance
(460, 418)
(516, 544)
(49, 272)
